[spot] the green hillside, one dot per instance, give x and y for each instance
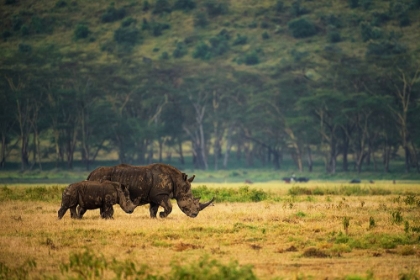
(337, 80)
(335, 23)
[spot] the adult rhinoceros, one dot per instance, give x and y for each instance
(155, 184)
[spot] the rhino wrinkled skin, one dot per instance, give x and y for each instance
(94, 195)
(155, 184)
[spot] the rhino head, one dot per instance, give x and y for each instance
(188, 204)
(124, 198)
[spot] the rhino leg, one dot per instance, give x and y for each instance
(107, 212)
(153, 209)
(167, 206)
(62, 211)
(80, 212)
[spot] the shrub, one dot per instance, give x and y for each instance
(302, 28)
(215, 7)
(10, 2)
(180, 50)
(24, 30)
(333, 36)
(128, 21)
(127, 35)
(297, 10)
(264, 25)
(331, 20)
(279, 6)
(265, 36)
(16, 23)
(6, 34)
(112, 14)
(240, 40)
(146, 6)
(368, 32)
(366, 4)
(157, 28)
(353, 3)
(81, 31)
(219, 45)
(185, 5)
(145, 25)
(24, 48)
(162, 6)
(379, 18)
(200, 20)
(385, 48)
(202, 50)
(251, 58)
(164, 56)
(42, 25)
(60, 4)
(253, 25)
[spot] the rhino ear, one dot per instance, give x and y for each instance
(184, 177)
(191, 179)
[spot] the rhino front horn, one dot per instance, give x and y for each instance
(204, 205)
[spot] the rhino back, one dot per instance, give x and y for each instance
(92, 194)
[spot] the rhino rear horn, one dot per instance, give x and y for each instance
(204, 205)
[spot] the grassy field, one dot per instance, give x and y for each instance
(316, 230)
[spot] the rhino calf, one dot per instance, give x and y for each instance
(94, 195)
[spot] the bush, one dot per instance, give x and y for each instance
(180, 50)
(380, 18)
(331, 20)
(302, 28)
(385, 48)
(81, 31)
(240, 40)
(146, 6)
(24, 48)
(202, 50)
(251, 58)
(127, 35)
(368, 32)
(16, 23)
(10, 2)
(366, 4)
(215, 7)
(333, 36)
(265, 36)
(24, 30)
(297, 10)
(200, 20)
(185, 5)
(113, 14)
(164, 56)
(128, 21)
(6, 34)
(157, 28)
(42, 25)
(279, 6)
(60, 4)
(162, 6)
(353, 3)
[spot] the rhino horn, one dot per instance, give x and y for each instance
(191, 179)
(204, 205)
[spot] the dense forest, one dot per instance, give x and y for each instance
(148, 79)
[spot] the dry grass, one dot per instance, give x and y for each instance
(289, 239)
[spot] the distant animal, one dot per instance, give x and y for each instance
(294, 179)
(248, 182)
(93, 195)
(286, 179)
(154, 184)
(355, 181)
(302, 179)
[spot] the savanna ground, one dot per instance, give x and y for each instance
(314, 230)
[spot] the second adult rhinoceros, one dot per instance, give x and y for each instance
(155, 184)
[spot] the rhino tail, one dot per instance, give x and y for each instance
(204, 205)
